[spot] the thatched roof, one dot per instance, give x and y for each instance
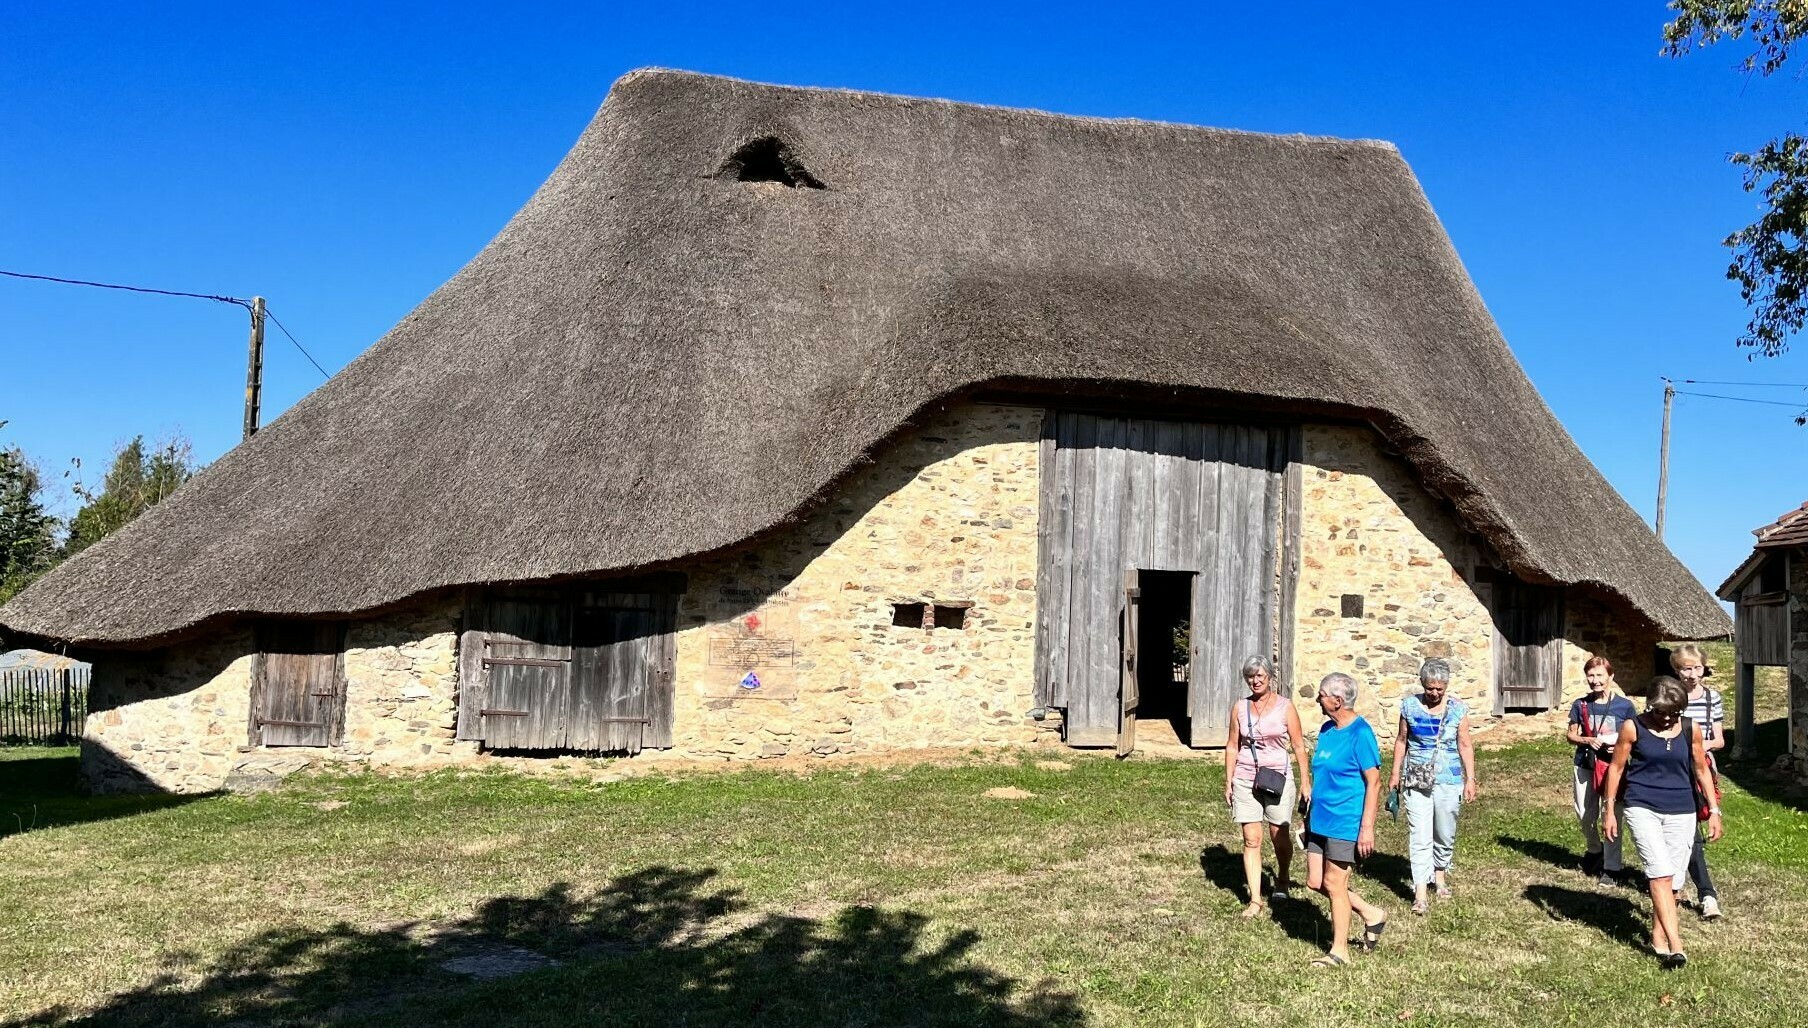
(656, 358)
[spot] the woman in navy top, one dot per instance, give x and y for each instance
(1660, 762)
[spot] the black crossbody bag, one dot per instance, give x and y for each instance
(1269, 782)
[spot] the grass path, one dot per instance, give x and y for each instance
(873, 895)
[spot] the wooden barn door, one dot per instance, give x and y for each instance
(1528, 645)
(527, 667)
(586, 670)
(1121, 494)
(298, 687)
(622, 675)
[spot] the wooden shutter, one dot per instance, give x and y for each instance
(298, 684)
(527, 667)
(1129, 694)
(624, 650)
(1528, 645)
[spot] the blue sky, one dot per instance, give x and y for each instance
(345, 159)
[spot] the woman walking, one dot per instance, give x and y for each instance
(1434, 767)
(1264, 741)
(1707, 711)
(1662, 765)
(1594, 728)
(1340, 824)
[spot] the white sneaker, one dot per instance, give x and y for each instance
(1710, 908)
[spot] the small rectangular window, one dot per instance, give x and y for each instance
(908, 615)
(1352, 605)
(950, 616)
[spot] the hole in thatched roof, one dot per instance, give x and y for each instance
(768, 159)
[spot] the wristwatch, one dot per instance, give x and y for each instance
(1713, 810)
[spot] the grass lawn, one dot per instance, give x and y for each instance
(871, 895)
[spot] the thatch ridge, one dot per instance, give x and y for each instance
(652, 360)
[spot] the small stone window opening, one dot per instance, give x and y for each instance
(951, 616)
(1352, 605)
(908, 615)
(768, 159)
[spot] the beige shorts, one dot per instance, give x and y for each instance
(1245, 809)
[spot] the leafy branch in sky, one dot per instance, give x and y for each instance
(1770, 256)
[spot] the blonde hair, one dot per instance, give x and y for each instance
(1687, 650)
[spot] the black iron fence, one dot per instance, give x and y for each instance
(42, 706)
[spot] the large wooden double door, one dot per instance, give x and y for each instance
(1123, 496)
(581, 670)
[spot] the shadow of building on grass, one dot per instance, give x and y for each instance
(46, 792)
(653, 947)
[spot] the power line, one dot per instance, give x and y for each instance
(1743, 399)
(130, 289)
(298, 346)
(1777, 385)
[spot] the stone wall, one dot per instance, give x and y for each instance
(178, 720)
(1369, 530)
(945, 515)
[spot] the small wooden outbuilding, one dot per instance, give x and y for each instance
(1766, 591)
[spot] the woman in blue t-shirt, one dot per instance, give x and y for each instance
(1340, 825)
(1433, 749)
(1594, 727)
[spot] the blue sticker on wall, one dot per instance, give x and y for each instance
(751, 681)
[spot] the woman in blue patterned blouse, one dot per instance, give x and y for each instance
(1433, 749)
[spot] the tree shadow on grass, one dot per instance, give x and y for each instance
(1538, 849)
(45, 792)
(652, 947)
(1615, 916)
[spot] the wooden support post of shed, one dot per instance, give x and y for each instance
(254, 369)
(1745, 743)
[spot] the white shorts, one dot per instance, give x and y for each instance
(1246, 809)
(1663, 841)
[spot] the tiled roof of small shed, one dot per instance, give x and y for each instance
(729, 294)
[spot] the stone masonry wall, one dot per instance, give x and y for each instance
(177, 720)
(946, 515)
(1368, 529)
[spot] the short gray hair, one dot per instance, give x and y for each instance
(1666, 696)
(1339, 685)
(1434, 670)
(1258, 663)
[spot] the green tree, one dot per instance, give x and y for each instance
(1770, 256)
(137, 480)
(27, 530)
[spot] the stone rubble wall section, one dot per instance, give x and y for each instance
(946, 514)
(178, 720)
(1368, 528)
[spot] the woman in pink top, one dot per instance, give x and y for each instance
(1264, 733)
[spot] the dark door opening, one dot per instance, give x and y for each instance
(1165, 667)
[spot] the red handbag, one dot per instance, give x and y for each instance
(1704, 803)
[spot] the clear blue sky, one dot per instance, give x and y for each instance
(345, 159)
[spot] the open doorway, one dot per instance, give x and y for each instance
(1166, 606)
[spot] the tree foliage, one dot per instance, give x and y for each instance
(1770, 256)
(27, 530)
(137, 480)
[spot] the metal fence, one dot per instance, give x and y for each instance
(42, 707)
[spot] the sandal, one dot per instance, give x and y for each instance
(1330, 960)
(1254, 910)
(1444, 891)
(1371, 935)
(1419, 907)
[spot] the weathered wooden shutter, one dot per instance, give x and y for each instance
(1528, 644)
(1130, 694)
(624, 651)
(527, 667)
(298, 684)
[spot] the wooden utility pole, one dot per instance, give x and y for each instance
(254, 377)
(1663, 457)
